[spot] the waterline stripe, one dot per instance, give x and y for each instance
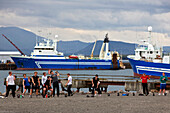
(153, 69)
(74, 63)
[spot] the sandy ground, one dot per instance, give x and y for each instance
(79, 103)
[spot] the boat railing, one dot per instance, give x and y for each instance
(146, 60)
(142, 47)
(166, 54)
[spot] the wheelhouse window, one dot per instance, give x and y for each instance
(43, 48)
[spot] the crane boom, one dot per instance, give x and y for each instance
(93, 49)
(13, 45)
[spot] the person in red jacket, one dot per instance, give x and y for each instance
(144, 83)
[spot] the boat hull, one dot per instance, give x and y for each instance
(52, 63)
(154, 70)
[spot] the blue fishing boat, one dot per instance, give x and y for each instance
(149, 59)
(46, 56)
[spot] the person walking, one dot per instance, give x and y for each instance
(26, 84)
(10, 84)
(145, 84)
(54, 78)
(95, 86)
(163, 80)
(69, 85)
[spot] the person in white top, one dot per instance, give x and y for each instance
(69, 85)
(10, 84)
(43, 80)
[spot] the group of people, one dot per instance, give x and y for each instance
(163, 80)
(144, 78)
(34, 83)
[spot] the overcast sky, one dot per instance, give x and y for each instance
(88, 20)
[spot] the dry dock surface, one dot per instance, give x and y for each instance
(81, 104)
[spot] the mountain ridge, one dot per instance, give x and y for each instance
(25, 40)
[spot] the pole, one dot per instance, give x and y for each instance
(13, 45)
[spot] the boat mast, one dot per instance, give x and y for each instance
(105, 42)
(149, 30)
(37, 37)
(36, 40)
(48, 40)
(55, 43)
(13, 45)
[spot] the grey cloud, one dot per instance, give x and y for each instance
(87, 14)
